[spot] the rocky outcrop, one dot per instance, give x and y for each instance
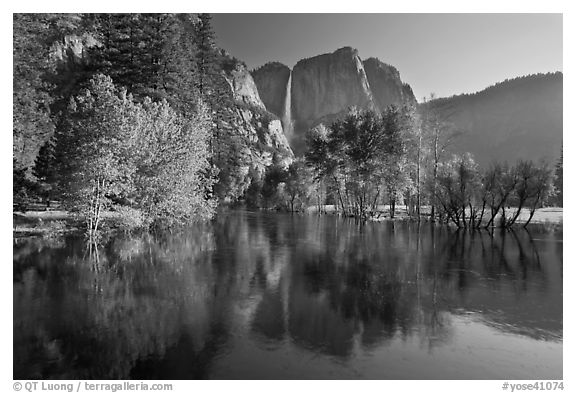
(326, 85)
(271, 80)
(243, 87)
(256, 137)
(255, 122)
(386, 86)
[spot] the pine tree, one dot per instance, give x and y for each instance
(45, 170)
(206, 55)
(558, 181)
(31, 93)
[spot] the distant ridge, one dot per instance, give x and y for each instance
(519, 118)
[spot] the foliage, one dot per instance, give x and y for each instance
(143, 155)
(298, 186)
(466, 196)
(97, 145)
(31, 94)
(172, 181)
(456, 190)
(361, 157)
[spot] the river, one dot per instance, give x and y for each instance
(278, 296)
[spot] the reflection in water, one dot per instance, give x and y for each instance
(255, 295)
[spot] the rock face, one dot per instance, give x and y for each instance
(254, 120)
(327, 85)
(243, 87)
(257, 135)
(271, 80)
(386, 85)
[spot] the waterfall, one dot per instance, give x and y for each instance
(287, 118)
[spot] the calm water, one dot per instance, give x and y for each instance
(261, 296)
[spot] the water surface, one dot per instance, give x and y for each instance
(273, 296)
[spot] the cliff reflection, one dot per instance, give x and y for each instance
(173, 305)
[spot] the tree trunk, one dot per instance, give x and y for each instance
(481, 214)
(503, 218)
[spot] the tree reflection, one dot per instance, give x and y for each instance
(170, 305)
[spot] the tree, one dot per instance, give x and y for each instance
(97, 144)
(362, 155)
(298, 184)
(31, 96)
(172, 180)
(45, 170)
(558, 183)
(398, 126)
(541, 189)
(206, 55)
(438, 134)
(142, 155)
(500, 186)
(275, 175)
(416, 153)
(457, 190)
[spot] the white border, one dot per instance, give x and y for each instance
(304, 6)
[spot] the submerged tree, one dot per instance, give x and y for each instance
(438, 135)
(456, 191)
(362, 156)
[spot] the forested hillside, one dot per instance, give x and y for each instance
(131, 107)
(516, 119)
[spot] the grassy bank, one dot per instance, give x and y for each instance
(42, 223)
(47, 223)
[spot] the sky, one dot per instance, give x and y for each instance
(444, 54)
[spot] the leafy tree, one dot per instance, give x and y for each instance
(275, 175)
(172, 182)
(97, 146)
(457, 189)
(398, 125)
(541, 189)
(361, 156)
(298, 184)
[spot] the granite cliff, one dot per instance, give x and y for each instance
(386, 85)
(324, 87)
(262, 131)
(272, 79)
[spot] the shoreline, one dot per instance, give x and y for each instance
(542, 216)
(59, 222)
